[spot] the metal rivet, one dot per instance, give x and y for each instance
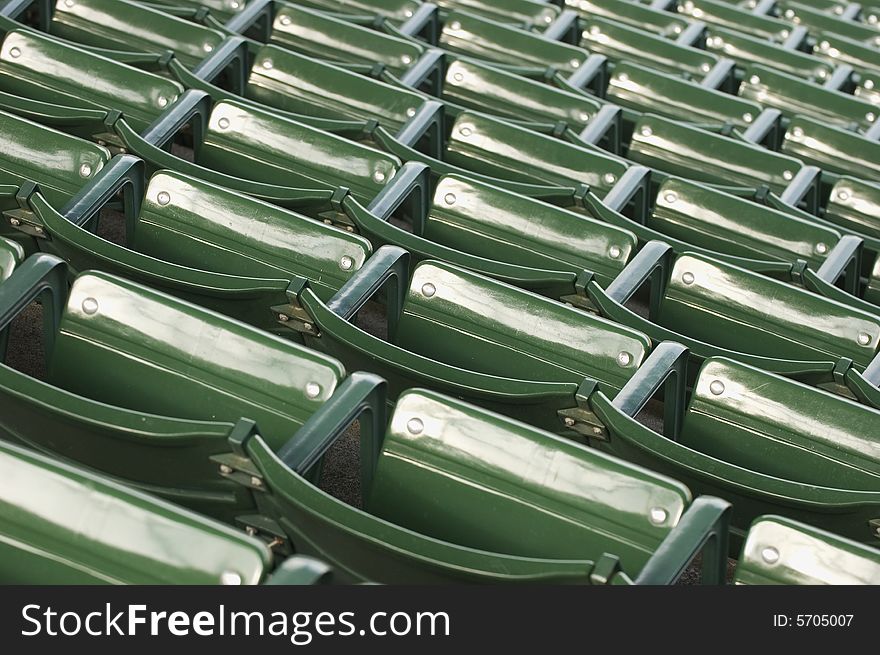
(164, 198)
(15, 53)
(85, 170)
(548, 18)
(230, 578)
(609, 178)
(583, 117)
(568, 421)
(676, 29)
(346, 263)
(256, 482)
(821, 248)
(797, 132)
(285, 20)
(267, 64)
(595, 29)
(864, 338)
(90, 306)
(623, 77)
(824, 45)
(614, 252)
(223, 123)
(716, 387)
(379, 177)
(783, 34)
(646, 131)
(307, 327)
(670, 197)
(754, 79)
(713, 41)
(465, 131)
(787, 175)
(313, 390)
(428, 290)
(68, 3)
(38, 229)
(822, 73)
(455, 25)
(872, 19)
(624, 358)
(687, 277)
(843, 195)
(408, 13)
(747, 117)
(705, 67)
(770, 555)
(870, 117)
(162, 101)
(658, 515)
(449, 198)
(406, 59)
(411, 112)
(208, 47)
(458, 77)
(574, 63)
(284, 318)
(868, 84)
(415, 426)
(226, 470)
(838, 9)
(14, 222)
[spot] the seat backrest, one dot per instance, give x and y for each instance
(61, 524)
(487, 39)
(477, 323)
(816, 20)
(220, 9)
(632, 14)
(150, 352)
(726, 223)
(494, 91)
(61, 164)
(322, 36)
(705, 156)
(257, 144)
(11, 254)
(779, 427)
(124, 25)
(647, 90)
(734, 308)
(203, 226)
(497, 224)
(620, 42)
(43, 68)
(834, 49)
(730, 16)
(296, 83)
(832, 148)
(397, 10)
(795, 96)
(855, 204)
(778, 550)
(465, 475)
(491, 146)
(746, 50)
(525, 12)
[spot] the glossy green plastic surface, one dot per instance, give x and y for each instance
(484, 88)
(746, 51)
(619, 42)
(832, 148)
(726, 223)
(640, 17)
(397, 10)
(496, 148)
(11, 255)
(163, 356)
(469, 321)
(650, 91)
(72, 164)
(256, 144)
(486, 39)
(44, 68)
(705, 156)
(490, 483)
(794, 96)
(836, 49)
(318, 35)
(782, 551)
(65, 525)
(705, 297)
(534, 12)
(491, 222)
(723, 14)
(124, 25)
(781, 428)
(855, 205)
(821, 21)
(299, 84)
